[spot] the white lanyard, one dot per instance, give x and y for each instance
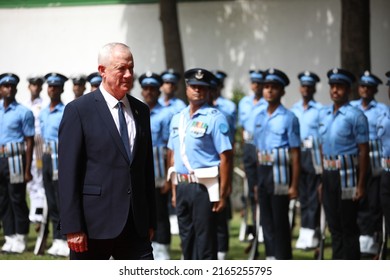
(182, 134)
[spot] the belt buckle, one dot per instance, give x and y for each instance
(183, 178)
(332, 164)
(308, 143)
(265, 158)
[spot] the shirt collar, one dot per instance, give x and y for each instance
(111, 100)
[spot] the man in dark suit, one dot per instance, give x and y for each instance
(106, 177)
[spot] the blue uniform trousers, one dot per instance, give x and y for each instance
(249, 158)
(197, 222)
(13, 205)
(385, 197)
(341, 216)
(308, 194)
(162, 233)
(273, 216)
(370, 213)
(52, 196)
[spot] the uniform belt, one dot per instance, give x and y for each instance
(307, 143)
(12, 149)
(3, 151)
(386, 164)
(331, 164)
(334, 163)
(265, 158)
(185, 178)
(47, 147)
(247, 136)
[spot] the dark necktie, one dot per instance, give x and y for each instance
(123, 128)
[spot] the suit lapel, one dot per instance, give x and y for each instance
(108, 121)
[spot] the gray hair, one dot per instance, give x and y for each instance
(105, 52)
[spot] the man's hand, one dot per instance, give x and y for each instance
(77, 242)
(27, 176)
(360, 192)
(218, 206)
(151, 234)
(166, 188)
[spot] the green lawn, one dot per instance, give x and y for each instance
(236, 251)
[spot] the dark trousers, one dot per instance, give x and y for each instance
(274, 216)
(249, 158)
(127, 246)
(370, 213)
(162, 234)
(308, 194)
(385, 197)
(197, 222)
(341, 216)
(13, 205)
(52, 195)
(223, 227)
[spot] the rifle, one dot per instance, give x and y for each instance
(291, 212)
(383, 248)
(320, 254)
(253, 253)
(40, 244)
(244, 221)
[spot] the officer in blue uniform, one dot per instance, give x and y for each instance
(201, 149)
(79, 82)
(370, 214)
(94, 80)
(344, 144)
(277, 140)
(35, 187)
(160, 118)
(50, 119)
(383, 131)
(16, 147)
(169, 87)
(229, 109)
(247, 108)
(307, 111)
(168, 99)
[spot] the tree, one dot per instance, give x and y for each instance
(172, 40)
(355, 37)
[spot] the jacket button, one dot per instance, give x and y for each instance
(128, 191)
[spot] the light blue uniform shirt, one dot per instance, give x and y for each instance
(373, 112)
(309, 118)
(229, 109)
(247, 112)
(50, 122)
(383, 133)
(160, 118)
(16, 122)
(279, 130)
(206, 137)
(341, 133)
(176, 104)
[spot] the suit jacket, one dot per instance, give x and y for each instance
(98, 186)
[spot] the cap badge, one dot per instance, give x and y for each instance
(199, 75)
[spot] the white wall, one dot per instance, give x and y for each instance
(292, 35)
